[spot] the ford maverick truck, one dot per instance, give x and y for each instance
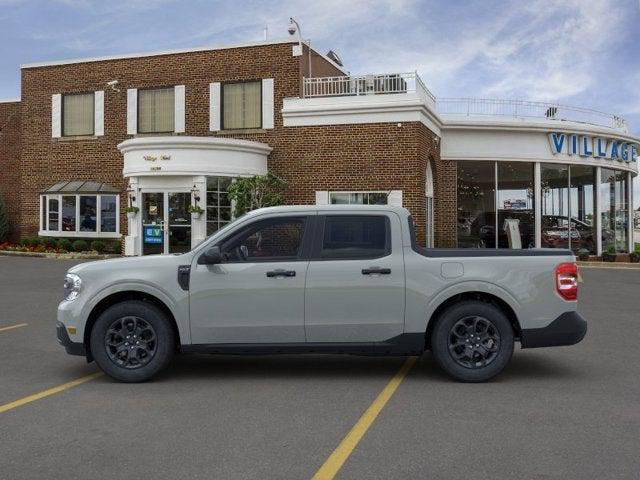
(321, 279)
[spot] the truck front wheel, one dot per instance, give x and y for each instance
(472, 341)
(132, 341)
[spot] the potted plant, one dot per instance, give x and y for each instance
(634, 257)
(610, 255)
(132, 211)
(583, 255)
(195, 211)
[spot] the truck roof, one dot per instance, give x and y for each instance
(314, 208)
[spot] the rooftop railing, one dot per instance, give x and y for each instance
(389, 83)
(356, 85)
(526, 109)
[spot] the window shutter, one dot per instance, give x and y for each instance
(179, 109)
(132, 111)
(98, 111)
(267, 103)
(214, 106)
(322, 197)
(395, 198)
(56, 115)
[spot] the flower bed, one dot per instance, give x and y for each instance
(61, 248)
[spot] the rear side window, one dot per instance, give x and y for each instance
(356, 237)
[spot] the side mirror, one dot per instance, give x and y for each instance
(211, 256)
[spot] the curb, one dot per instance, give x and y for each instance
(614, 265)
(58, 256)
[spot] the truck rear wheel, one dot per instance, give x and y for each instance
(132, 341)
(472, 341)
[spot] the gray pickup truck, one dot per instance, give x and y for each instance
(321, 279)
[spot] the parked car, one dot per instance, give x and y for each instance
(321, 279)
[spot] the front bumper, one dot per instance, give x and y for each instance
(568, 329)
(72, 348)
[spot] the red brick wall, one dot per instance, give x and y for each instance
(336, 157)
(10, 161)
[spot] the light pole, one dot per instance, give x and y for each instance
(294, 27)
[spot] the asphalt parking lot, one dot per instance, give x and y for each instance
(569, 413)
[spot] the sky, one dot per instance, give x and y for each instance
(577, 52)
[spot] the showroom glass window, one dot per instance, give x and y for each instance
(554, 197)
(614, 210)
(358, 198)
(242, 105)
(219, 211)
(78, 114)
(516, 217)
(582, 195)
(476, 204)
(156, 110)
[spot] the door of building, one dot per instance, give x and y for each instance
(166, 222)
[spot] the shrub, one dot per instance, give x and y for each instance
(24, 242)
(65, 244)
(98, 246)
(80, 246)
(34, 242)
(634, 257)
(583, 254)
(4, 222)
(116, 247)
(48, 242)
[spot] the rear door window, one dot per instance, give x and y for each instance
(355, 237)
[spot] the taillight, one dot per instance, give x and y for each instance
(567, 281)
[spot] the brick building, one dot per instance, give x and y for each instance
(162, 131)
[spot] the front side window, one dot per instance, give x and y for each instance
(356, 237)
(268, 240)
(358, 198)
(156, 110)
(242, 105)
(78, 114)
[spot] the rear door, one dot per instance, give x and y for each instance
(355, 280)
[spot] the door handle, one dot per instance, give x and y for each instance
(376, 271)
(281, 273)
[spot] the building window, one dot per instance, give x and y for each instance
(80, 215)
(78, 114)
(476, 204)
(614, 210)
(219, 211)
(242, 105)
(516, 219)
(358, 198)
(156, 110)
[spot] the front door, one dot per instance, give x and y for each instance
(356, 280)
(256, 295)
(166, 222)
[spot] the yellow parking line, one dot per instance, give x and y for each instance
(334, 463)
(48, 392)
(2, 329)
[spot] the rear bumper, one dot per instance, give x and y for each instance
(72, 348)
(568, 329)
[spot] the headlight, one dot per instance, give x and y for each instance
(72, 284)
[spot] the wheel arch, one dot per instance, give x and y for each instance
(480, 296)
(123, 296)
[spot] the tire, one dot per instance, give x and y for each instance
(454, 337)
(132, 341)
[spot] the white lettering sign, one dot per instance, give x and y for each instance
(597, 147)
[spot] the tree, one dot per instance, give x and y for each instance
(4, 222)
(250, 193)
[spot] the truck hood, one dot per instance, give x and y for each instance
(132, 263)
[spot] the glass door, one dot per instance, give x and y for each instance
(179, 237)
(153, 223)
